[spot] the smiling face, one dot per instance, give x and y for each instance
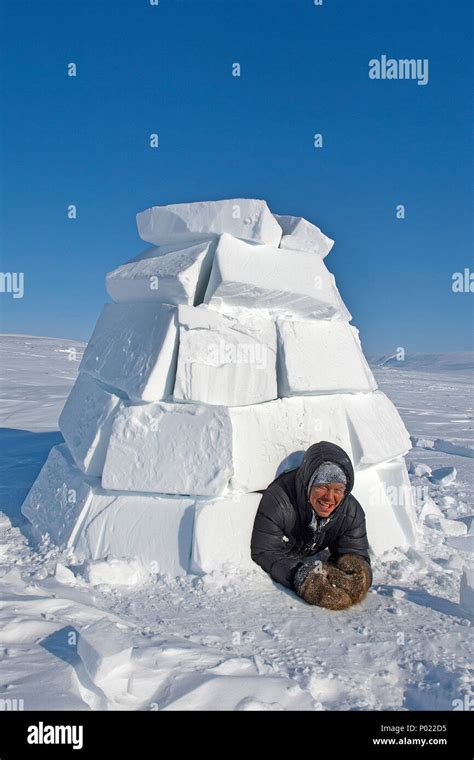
(325, 498)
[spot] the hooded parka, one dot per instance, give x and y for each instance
(283, 536)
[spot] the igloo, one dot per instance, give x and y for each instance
(226, 352)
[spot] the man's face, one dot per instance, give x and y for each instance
(325, 498)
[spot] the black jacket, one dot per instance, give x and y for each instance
(281, 537)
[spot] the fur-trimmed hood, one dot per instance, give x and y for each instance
(323, 451)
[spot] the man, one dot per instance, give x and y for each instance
(302, 512)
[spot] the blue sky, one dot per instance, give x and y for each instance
(304, 69)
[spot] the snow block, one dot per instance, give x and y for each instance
(419, 469)
(134, 349)
(103, 647)
(320, 356)
(429, 511)
(222, 533)
(376, 429)
(223, 360)
(86, 421)
(443, 476)
(96, 524)
(202, 450)
(284, 283)
(116, 572)
(169, 274)
(396, 483)
(271, 438)
(153, 529)
(58, 497)
(170, 448)
(242, 217)
(384, 530)
(301, 235)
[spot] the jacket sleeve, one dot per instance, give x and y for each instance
(353, 539)
(270, 547)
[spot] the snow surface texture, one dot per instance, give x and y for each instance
(104, 635)
(190, 403)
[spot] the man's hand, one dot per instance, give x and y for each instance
(317, 589)
(351, 574)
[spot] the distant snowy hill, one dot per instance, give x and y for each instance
(448, 362)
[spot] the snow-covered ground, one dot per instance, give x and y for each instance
(236, 640)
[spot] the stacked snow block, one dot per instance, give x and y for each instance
(227, 352)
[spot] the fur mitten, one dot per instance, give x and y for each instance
(317, 589)
(351, 574)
